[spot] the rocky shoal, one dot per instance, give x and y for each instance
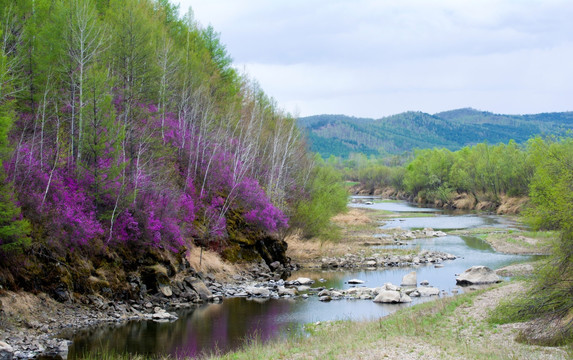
(378, 260)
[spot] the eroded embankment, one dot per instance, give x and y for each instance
(499, 204)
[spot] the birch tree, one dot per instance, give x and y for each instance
(85, 40)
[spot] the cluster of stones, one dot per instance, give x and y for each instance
(377, 260)
(417, 234)
(29, 348)
(388, 293)
(301, 287)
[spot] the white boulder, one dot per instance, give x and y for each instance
(478, 275)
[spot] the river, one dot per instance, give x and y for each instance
(226, 326)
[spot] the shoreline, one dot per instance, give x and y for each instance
(26, 328)
(448, 328)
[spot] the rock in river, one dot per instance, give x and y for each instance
(355, 281)
(410, 279)
(282, 291)
(303, 281)
(428, 291)
(391, 296)
(258, 291)
(478, 275)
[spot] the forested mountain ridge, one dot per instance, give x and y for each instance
(341, 135)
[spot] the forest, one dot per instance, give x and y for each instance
(125, 128)
(398, 134)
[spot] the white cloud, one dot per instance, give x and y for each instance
(374, 58)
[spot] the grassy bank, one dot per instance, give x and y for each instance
(511, 241)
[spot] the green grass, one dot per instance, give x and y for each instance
(541, 234)
(407, 215)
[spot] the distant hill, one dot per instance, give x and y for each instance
(341, 135)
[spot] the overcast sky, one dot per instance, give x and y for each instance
(371, 58)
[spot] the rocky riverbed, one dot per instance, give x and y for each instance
(384, 260)
(33, 324)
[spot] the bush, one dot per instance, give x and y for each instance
(326, 198)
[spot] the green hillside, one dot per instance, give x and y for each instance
(341, 135)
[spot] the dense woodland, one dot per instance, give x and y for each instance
(341, 135)
(124, 126)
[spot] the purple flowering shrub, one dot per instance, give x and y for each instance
(65, 211)
(170, 185)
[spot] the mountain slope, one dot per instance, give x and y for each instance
(341, 135)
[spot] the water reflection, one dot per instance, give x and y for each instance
(209, 329)
(376, 203)
(445, 222)
(476, 243)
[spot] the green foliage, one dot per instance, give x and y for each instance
(327, 198)
(480, 169)
(551, 297)
(551, 187)
(510, 311)
(13, 229)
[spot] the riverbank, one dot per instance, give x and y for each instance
(448, 328)
(510, 241)
(33, 325)
(26, 323)
(360, 234)
(499, 204)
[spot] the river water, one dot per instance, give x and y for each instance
(226, 326)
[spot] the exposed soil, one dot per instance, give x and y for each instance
(502, 204)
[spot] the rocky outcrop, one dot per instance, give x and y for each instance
(247, 244)
(199, 287)
(477, 275)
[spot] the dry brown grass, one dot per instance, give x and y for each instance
(357, 229)
(301, 250)
(24, 306)
(464, 201)
(212, 263)
(512, 205)
(352, 217)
